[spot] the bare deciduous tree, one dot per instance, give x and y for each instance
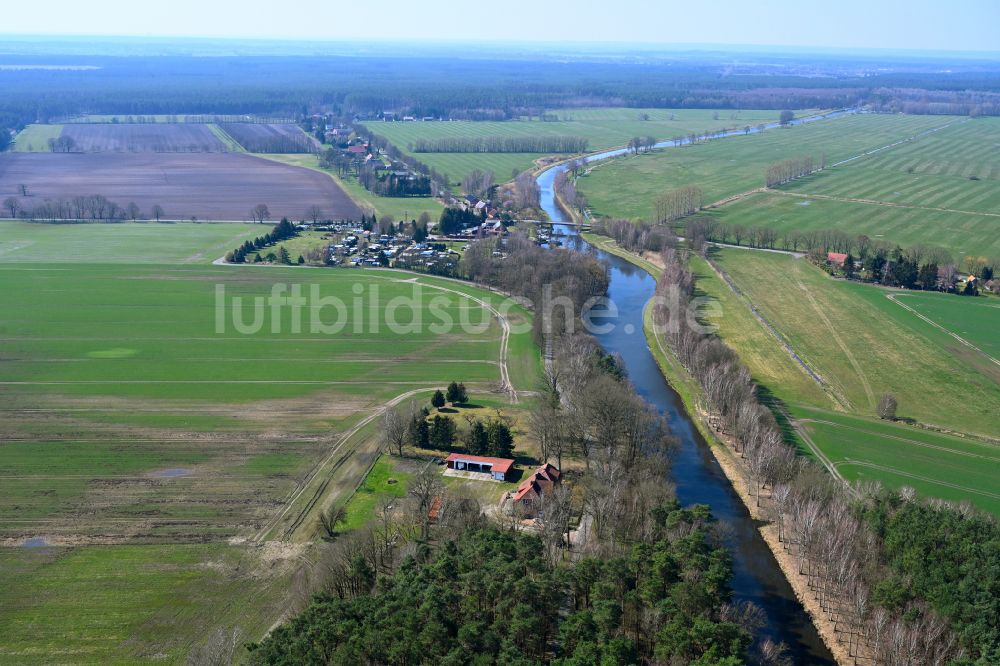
(260, 213)
(887, 407)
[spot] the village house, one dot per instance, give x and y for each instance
(836, 259)
(528, 495)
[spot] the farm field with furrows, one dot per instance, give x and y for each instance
(223, 186)
(142, 437)
(628, 186)
(957, 168)
(142, 138)
(602, 128)
(938, 381)
(261, 138)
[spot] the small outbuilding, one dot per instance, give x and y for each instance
(496, 468)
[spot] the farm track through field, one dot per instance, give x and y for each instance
(898, 143)
(894, 299)
(840, 343)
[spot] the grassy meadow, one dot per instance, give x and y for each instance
(146, 441)
(602, 127)
(960, 233)
(628, 186)
(956, 168)
(35, 138)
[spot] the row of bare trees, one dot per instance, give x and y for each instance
(641, 144)
(840, 556)
(565, 188)
(502, 144)
(788, 170)
(636, 236)
(95, 207)
(678, 202)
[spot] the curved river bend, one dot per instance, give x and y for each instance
(698, 477)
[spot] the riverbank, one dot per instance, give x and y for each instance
(690, 393)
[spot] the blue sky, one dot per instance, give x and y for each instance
(972, 25)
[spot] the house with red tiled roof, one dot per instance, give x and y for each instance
(530, 492)
(836, 259)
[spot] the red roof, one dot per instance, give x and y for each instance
(836, 257)
(357, 149)
(543, 480)
(499, 464)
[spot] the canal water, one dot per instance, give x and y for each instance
(698, 477)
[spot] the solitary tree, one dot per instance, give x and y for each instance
(157, 212)
(887, 407)
(330, 518)
(786, 117)
(478, 442)
(12, 205)
(24, 189)
(314, 213)
(260, 213)
(437, 400)
(283, 256)
(133, 211)
(418, 432)
(394, 429)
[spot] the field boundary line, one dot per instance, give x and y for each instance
(894, 299)
(877, 202)
(927, 479)
(900, 142)
(898, 438)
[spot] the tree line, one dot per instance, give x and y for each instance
(679, 202)
(94, 207)
(281, 231)
(847, 557)
(788, 170)
(501, 144)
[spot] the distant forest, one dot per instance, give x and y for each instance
(478, 89)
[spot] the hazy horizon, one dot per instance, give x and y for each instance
(966, 26)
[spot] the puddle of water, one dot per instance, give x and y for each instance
(170, 473)
(35, 542)
(805, 203)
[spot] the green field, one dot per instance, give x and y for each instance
(603, 129)
(124, 243)
(957, 168)
(628, 186)
(935, 464)
(143, 439)
(35, 138)
(960, 233)
(384, 482)
(125, 604)
(399, 208)
(862, 344)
